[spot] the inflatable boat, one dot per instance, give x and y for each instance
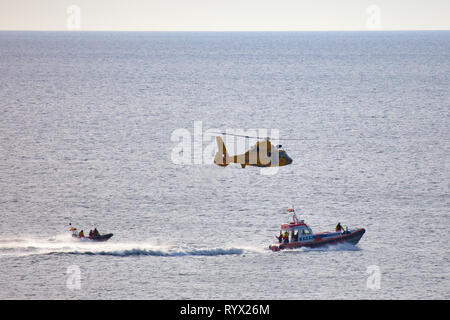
(100, 238)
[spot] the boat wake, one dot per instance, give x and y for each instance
(62, 245)
(174, 252)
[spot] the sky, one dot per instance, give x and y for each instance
(224, 15)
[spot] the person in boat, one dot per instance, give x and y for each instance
(81, 234)
(286, 237)
(72, 229)
(280, 237)
(95, 233)
(90, 233)
(339, 227)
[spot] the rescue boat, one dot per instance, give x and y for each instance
(99, 238)
(92, 237)
(298, 234)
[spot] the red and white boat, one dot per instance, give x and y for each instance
(297, 234)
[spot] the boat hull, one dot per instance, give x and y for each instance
(101, 238)
(319, 241)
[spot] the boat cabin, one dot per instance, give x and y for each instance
(298, 231)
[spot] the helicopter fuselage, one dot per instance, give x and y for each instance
(263, 154)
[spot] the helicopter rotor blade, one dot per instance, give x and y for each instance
(238, 135)
(248, 137)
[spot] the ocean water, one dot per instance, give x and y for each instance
(86, 127)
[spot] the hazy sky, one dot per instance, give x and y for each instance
(224, 14)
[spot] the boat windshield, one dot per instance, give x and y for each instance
(305, 231)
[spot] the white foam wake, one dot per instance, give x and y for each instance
(65, 244)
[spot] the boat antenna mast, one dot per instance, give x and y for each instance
(294, 215)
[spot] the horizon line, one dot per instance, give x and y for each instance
(225, 30)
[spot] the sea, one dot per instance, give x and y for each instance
(116, 131)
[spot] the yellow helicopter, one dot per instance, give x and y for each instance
(262, 154)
